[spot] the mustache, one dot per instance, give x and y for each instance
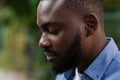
(51, 52)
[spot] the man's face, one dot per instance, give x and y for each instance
(60, 37)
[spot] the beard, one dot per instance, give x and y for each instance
(70, 59)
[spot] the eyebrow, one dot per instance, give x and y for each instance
(47, 24)
(44, 25)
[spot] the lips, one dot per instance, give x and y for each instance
(50, 56)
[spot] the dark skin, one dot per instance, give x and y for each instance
(60, 27)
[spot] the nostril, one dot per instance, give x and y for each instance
(44, 43)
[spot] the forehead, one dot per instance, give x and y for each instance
(48, 8)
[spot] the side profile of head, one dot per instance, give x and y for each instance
(72, 32)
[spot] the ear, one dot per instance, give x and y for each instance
(91, 24)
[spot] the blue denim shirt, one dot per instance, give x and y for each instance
(106, 66)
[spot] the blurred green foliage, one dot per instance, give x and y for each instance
(112, 26)
(112, 19)
(19, 36)
(112, 5)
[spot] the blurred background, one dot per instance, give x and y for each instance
(20, 56)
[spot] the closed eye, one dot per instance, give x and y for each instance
(53, 29)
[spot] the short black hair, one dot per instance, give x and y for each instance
(87, 4)
(86, 7)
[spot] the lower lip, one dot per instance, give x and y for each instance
(51, 58)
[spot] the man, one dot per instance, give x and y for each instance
(74, 41)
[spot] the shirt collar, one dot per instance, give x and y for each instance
(100, 64)
(69, 75)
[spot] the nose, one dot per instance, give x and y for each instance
(44, 41)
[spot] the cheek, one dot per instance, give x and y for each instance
(63, 42)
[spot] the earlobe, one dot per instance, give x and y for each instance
(91, 24)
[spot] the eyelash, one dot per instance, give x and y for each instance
(53, 30)
(47, 29)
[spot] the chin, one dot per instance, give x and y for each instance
(58, 68)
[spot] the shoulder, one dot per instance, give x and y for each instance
(113, 71)
(115, 64)
(117, 57)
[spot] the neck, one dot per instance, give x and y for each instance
(95, 46)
